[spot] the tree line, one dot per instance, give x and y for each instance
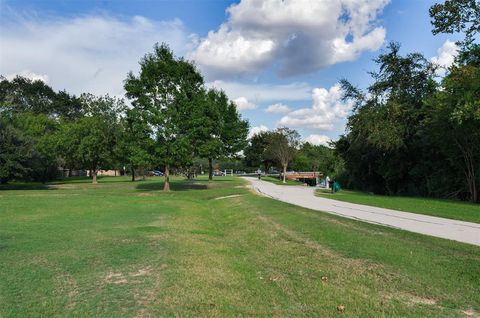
(170, 119)
(411, 133)
(282, 148)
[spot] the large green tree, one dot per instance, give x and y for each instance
(382, 150)
(16, 152)
(136, 146)
(452, 124)
(256, 151)
(165, 91)
(207, 123)
(41, 130)
(91, 141)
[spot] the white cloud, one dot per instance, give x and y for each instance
(264, 92)
(277, 108)
(318, 140)
(30, 75)
(90, 53)
(255, 130)
(243, 104)
(225, 47)
(303, 36)
(445, 56)
(326, 112)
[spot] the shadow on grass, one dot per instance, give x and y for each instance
(100, 179)
(174, 186)
(24, 186)
(54, 184)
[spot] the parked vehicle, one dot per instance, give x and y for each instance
(218, 173)
(157, 173)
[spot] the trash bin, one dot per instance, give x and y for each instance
(337, 186)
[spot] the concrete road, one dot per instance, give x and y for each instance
(465, 232)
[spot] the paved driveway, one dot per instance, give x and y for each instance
(465, 232)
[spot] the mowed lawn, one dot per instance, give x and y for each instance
(450, 209)
(122, 249)
(280, 181)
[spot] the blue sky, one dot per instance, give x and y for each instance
(279, 60)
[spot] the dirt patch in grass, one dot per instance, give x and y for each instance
(115, 278)
(416, 300)
(228, 196)
(141, 272)
(470, 313)
(68, 286)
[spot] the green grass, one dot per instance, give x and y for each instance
(450, 209)
(280, 182)
(122, 249)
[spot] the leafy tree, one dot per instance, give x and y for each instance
(218, 131)
(282, 147)
(92, 139)
(207, 123)
(165, 91)
(383, 149)
(136, 147)
(234, 131)
(23, 95)
(452, 125)
(457, 16)
(318, 158)
(40, 129)
(16, 151)
(301, 162)
(256, 151)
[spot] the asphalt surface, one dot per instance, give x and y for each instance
(461, 231)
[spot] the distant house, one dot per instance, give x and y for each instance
(111, 173)
(65, 173)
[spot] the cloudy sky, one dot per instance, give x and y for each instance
(279, 60)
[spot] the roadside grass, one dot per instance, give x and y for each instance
(450, 209)
(123, 249)
(279, 182)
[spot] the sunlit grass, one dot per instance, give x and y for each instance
(437, 207)
(123, 249)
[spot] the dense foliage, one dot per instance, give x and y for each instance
(411, 134)
(172, 120)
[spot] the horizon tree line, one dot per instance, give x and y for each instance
(172, 119)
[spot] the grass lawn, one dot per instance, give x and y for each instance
(279, 181)
(122, 249)
(450, 209)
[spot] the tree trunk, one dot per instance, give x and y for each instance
(133, 174)
(44, 176)
(469, 170)
(284, 173)
(70, 172)
(210, 170)
(94, 176)
(166, 187)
